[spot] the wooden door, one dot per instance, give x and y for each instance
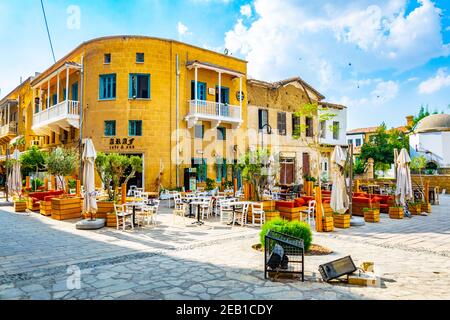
(306, 165)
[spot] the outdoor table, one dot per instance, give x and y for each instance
(189, 200)
(134, 205)
(197, 203)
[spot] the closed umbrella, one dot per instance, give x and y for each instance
(89, 156)
(403, 190)
(339, 198)
(15, 176)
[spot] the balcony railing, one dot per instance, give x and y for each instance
(8, 129)
(215, 111)
(66, 111)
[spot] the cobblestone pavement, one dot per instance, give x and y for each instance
(214, 261)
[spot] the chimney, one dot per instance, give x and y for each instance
(410, 121)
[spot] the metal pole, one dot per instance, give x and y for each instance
(350, 193)
(80, 142)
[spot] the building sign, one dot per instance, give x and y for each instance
(240, 95)
(121, 143)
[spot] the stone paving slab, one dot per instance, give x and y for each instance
(176, 262)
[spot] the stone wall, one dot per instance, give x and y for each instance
(441, 181)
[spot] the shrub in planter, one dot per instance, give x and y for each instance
(396, 212)
(415, 208)
(293, 228)
(371, 215)
(341, 220)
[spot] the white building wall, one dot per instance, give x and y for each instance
(437, 143)
(354, 137)
(341, 117)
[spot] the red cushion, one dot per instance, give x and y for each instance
(384, 205)
(377, 199)
(299, 202)
(361, 200)
(326, 200)
(285, 204)
(361, 195)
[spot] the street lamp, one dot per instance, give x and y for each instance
(269, 131)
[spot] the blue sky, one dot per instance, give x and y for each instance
(381, 58)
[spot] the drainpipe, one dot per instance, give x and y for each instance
(177, 175)
(80, 142)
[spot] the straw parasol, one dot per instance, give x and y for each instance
(403, 190)
(89, 156)
(339, 198)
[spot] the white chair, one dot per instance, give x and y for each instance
(241, 216)
(179, 211)
(225, 210)
(131, 191)
(310, 212)
(258, 214)
(122, 215)
(206, 207)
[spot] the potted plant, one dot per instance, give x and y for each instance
(309, 185)
(396, 212)
(61, 163)
(210, 184)
(371, 215)
(20, 203)
(415, 208)
(341, 220)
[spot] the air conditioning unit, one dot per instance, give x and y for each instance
(36, 143)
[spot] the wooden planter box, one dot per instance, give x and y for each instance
(328, 224)
(269, 205)
(341, 221)
(271, 215)
(20, 206)
(327, 211)
(66, 208)
(103, 208)
(426, 207)
(372, 215)
(111, 220)
(295, 216)
(308, 188)
(415, 209)
(33, 207)
(396, 213)
(46, 208)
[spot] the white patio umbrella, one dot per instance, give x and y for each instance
(89, 156)
(15, 176)
(270, 173)
(339, 198)
(403, 190)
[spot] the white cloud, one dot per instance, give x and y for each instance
(385, 91)
(182, 29)
(436, 83)
(372, 37)
(246, 10)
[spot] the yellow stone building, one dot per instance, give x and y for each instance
(15, 125)
(141, 95)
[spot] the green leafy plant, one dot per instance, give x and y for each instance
(34, 160)
(309, 178)
(210, 184)
(228, 185)
(112, 170)
(72, 183)
(293, 228)
(62, 162)
(36, 183)
(254, 165)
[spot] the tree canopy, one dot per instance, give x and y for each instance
(381, 145)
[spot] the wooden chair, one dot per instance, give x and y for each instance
(179, 211)
(122, 215)
(258, 214)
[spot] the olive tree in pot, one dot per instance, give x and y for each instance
(62, 162)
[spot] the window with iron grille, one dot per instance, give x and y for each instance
(281, 123)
